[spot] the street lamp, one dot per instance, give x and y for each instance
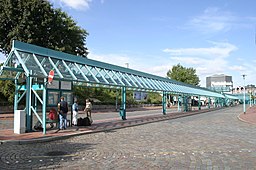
(244, 91)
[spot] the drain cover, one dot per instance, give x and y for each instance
(56, 153)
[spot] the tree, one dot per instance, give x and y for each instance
(154, 97)
(37, 22)
(183, 74)
(7, 90)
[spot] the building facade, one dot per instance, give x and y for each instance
(220, 83)
(249, 89)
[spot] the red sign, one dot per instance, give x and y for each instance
(50, 77)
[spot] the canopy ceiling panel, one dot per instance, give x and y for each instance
(37, 61)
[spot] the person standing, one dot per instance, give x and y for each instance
(88, 109)
(63, 110)
(75, 112)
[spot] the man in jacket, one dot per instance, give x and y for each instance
(63, 110)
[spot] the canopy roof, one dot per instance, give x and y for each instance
(230, 96)
(37, 62)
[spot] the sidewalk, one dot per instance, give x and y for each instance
(249, 116)
(7, 135)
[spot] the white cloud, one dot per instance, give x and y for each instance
(160, 70)
(237, 68)
(116, 59)
(135, 63)
(207, 61)
(75, 4)
(213, 20)
(220, 49)
(188, 60)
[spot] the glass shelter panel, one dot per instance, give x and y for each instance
(53, 98)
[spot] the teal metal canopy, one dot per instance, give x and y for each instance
(37, 62)
(230, 96)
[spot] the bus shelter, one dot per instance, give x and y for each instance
(29, 66)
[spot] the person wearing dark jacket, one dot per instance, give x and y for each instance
(63, 110)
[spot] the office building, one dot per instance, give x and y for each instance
(220, 83)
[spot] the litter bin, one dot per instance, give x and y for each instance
(19, 121)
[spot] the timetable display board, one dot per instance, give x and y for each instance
(54, 85)
(68, 97)
(66, 85)
(53, 97)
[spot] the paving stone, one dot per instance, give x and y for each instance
(213, 140)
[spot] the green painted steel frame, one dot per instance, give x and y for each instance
(98, 73)
(37, 61)
(164, 102)
(123, 103)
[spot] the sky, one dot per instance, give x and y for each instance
(211, 36)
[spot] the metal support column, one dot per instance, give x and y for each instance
(222, 102)
(44, 106)
(164, 102)
(199, 103)
(185, 103)
(123, 103)
(250, 100)
(116, 100)
(35, 103)
(209, 102)
(178, 100)
(28, 105)
(16, 95)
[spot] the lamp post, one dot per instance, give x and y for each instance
(244, 92)
(250, 99)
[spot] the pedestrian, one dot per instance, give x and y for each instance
(63, 111)
(75, 112)
(88, 109)
(51, 116)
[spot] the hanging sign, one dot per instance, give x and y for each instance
(50, 77)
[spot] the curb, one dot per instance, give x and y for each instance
(245, 121)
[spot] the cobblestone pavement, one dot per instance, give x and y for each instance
(212, 140)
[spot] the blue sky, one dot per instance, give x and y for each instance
(212, 36)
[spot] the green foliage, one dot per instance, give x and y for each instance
(183, 74)
(129, 98)
(154, 98)
(36, 22)
(108, 96)
(105, 96)
(7, 90)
